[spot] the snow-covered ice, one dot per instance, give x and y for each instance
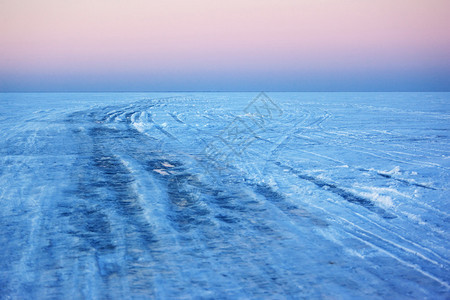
(224, 195)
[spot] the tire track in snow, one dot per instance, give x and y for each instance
(190, 202)
(346, 195)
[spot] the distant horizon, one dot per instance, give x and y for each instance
(233, 91)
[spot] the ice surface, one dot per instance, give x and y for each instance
(224, 195)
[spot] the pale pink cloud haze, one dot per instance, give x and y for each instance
(109, 37)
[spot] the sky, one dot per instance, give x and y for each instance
(233, 45)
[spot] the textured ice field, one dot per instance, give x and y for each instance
(214, 195)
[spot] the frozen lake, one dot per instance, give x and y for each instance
(224, 195)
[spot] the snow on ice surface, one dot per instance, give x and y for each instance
(211, 195)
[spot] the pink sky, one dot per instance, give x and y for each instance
(44, 39)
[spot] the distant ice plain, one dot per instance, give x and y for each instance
(198, 195)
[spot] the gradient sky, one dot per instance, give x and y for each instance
(270, 45)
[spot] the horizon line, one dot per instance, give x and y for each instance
(236, 91)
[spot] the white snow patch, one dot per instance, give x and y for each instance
(414, 217)
(394, 171)
(382, 190)
(167, 165)
(140, 126)
(161, 171)
(354, 253)
(382, 200)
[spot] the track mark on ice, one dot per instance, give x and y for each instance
(346, 195)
